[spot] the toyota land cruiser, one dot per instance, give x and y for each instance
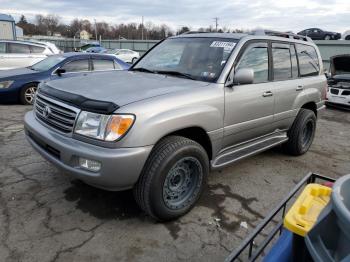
(193, 103)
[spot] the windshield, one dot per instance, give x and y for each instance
(197, 58)
(47, 63)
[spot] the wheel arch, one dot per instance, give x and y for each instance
(197, 134)
(311, 106)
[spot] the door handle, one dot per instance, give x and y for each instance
(267, 94)
(299, 88)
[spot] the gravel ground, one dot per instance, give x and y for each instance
(47, 216)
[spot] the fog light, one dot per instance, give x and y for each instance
(88, 164)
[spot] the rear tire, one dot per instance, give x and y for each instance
(172, 178)
(27, 93)
(302, 133)
(133, 60)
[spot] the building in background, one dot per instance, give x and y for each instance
(7, 27)
(84, 35)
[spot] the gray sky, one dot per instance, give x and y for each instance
(291, 15)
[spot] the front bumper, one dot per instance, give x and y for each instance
(120, 167)
(338, 100)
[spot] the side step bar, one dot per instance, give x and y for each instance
(239, 152)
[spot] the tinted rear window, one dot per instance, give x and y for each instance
(18, 48)
(308, 60)
(103, 64)
(37, 49)
(284, 61)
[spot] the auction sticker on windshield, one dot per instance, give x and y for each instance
(226, 45)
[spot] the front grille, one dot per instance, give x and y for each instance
(346, 93)
(334, 91)
(54, 115)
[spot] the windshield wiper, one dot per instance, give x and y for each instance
(176, 73)
(142, 69)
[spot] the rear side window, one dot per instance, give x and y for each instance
(256, 57)
(308, 60)
(284, 62)
(18, 48)
(77, 66)
(103, 64)
(2, 48)
(37, 49)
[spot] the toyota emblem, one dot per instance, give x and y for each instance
(46, 111)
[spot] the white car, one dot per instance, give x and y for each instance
(346, 35)
(16, 54)
(126, 55)
(339, 82)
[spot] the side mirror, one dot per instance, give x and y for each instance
(244, 76)
(60, 71)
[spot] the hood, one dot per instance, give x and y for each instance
(340, 65)
(14, 74)
(123, 87)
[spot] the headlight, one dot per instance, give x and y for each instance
(5, 84)
(103, 127)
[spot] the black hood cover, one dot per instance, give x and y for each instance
(86, 104)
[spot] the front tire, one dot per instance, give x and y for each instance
(27, 94)
(133, 60)
(302, 133)
(327, 37)
(173, 178)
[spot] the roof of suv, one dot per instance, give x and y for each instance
(218, 35)
(273, 35)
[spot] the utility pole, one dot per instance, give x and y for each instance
(142, 29)
(216, 19)
(95, 30)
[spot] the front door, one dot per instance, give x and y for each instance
(249, 108)
(74, 68)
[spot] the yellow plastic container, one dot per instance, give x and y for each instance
(304, 213)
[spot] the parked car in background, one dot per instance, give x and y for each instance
(51, 46)
(346, 35)
(127, 55)
(319, 34)
(16, 54)
(86, 46)
(20, 85)
(193, 103)
(339, 82)
(96, 49)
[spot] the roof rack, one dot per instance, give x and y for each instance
(282, 34)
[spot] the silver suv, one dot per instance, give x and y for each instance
(191, 104)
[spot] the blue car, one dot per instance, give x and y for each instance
(19, 85)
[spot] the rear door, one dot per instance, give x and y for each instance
(286, 83)
(17, 55)
(249, 108)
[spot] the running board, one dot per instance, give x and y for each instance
(239, 152)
